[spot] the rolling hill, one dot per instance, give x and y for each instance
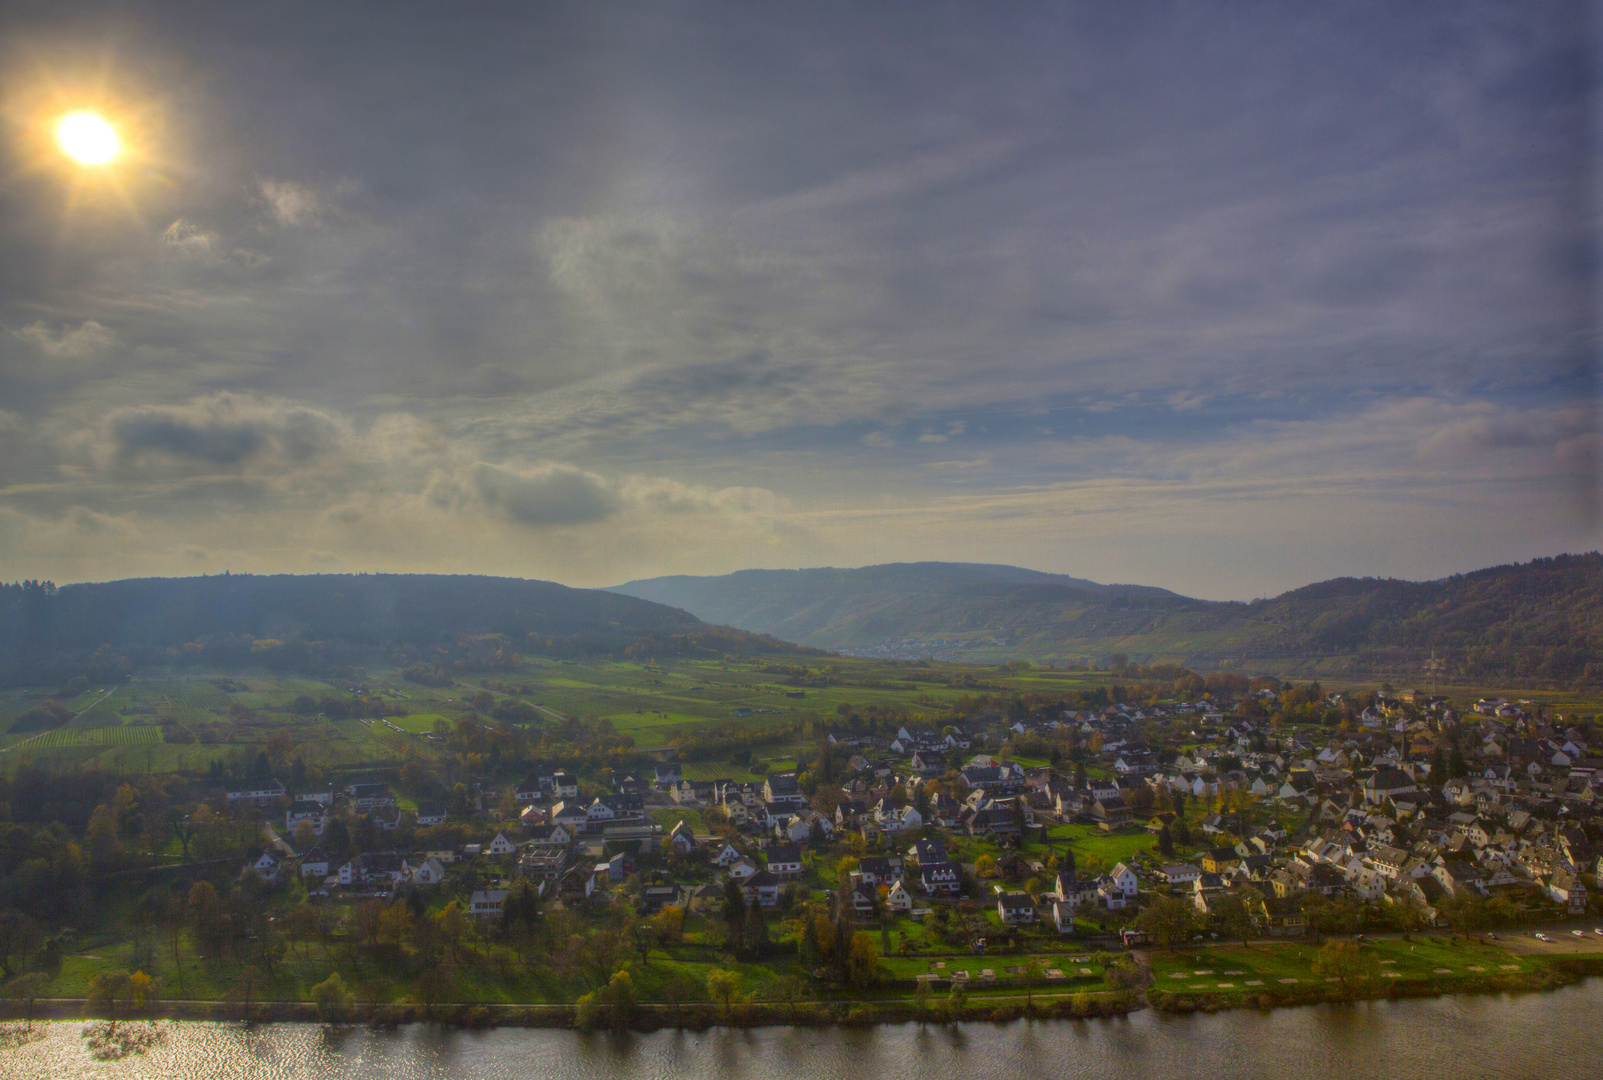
(1541, 620)
(324, 620)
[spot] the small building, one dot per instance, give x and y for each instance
(1015, 908)
(487, 903)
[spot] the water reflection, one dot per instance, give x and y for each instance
(1485, 1036)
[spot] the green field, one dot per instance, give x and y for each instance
(418, 723)
(1260, 967)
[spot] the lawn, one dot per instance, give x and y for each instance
(1088, 840)
(1235, 969)
(668, 818)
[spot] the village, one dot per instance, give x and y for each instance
(1406, 815)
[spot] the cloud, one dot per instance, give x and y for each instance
(189, 238)
(224, 430)
(547, 495)
(75, 343)
(289, 202)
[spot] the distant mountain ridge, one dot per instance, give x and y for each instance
(46, 632)
(1541, 620)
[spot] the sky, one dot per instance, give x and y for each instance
(1220, 297)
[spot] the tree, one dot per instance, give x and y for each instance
(957, 1000)
(331, 997)
(864, 961)
(106, 990)
(20, 935)
(811, 946)
(1465, 913)
(921, 999)
(142, 992)
(754, 934)
(1166, 842)
(721, 987)
(27, 989)
(1168, 920)
(1234, 916)
(1033, 973)
(1345, 961)
(733, 907)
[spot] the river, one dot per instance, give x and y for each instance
(1533, 1035)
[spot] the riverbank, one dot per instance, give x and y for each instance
(1542, 974)
(642, 1017)
(1547, 974)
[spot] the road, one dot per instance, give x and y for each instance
(533, 705)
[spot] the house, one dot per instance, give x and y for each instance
(880, 869)
(1568, 889)
(1118, 888)
(898, 899)
(1015, 908)
(940, 878)
(549, 834)
(564, 786)
(741, 869)
(1111, 811)
(682, 840)
(1456, 877)
(1181, 874)
(727, 856)
(571, 815)
(314, 864)
(543, 862)
(308, 811)
(487, 903)
(530, 790)
(431, 813)
(667, 775)
(784, 860)
(381, 869)
(430, 873)
(1063, 916)
(264, 865)
(365, 797)
(499, 846)
(761, 888)
(577, 883)
(262, 794)
(780, 790)
(658, 895)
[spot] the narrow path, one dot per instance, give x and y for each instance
(549, 712)
(69, 723)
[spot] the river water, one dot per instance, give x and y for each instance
(1558, 1034)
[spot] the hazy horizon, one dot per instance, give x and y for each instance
(1218, 298)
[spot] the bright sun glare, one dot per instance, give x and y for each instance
(87, 138)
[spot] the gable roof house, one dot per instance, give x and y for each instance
(1015, 908)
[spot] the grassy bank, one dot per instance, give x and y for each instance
(1268, 976)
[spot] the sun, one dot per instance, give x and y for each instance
(87, 138)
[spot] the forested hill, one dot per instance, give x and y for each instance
(1541, 620)
(325, 619)
(836, 608)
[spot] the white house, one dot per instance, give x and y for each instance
(430, 873)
